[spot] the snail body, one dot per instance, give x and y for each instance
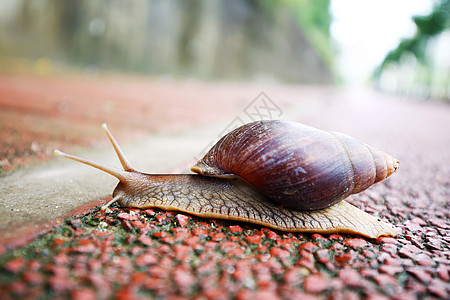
(306, 170)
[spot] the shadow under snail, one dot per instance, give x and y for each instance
(279, 174)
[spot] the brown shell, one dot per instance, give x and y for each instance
(296, 165)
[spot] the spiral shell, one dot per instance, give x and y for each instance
(295, 165)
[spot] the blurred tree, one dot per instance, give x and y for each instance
(415, 67)
(427, 27)
(285, 40)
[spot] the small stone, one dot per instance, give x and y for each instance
(146, 240)
(127, 216)
(60, 284)
(149, 212)
(145, 259)
(4, 163)
(130, 239)
(210, 244)
(33, 265)
(322, 253)
(216, 293)
(182, 235)
(345, 258)
(389, 261)
(127, 225)
(389, 248)
(391, 270)
(58, 242)
(270, 234)
(369, 254)
(253, 239)
(419, 221)
(439, 223)
(412, 248)
(85, 248)
(266, 294)
(15, 265)
(315, 283)
(317, 236)
(218, 236)
(76, 223)
(168, 239)
(286, 244)
(308, 246)
(236, 252)
(161, 217)
(183, 220)
(433, 243)
(385, 239)
(420, 274)
(424, 260)
(100, 283)
(443, 272)
(413, 227)
(438, 288)
(160, 234)
(141, 226)
(33, 277)
(192, 241)
(369, 273)
(349, 277)
(279, 252)
(384, 279)
(200, 232)
(356, 243)
(17, 288)
(228, 245)
(405, 253)
(294, 275)
(83, 294)
(335, 237)
(183, 278)
(377, 296)
(235, 228)
(61, 259)
(336, 247)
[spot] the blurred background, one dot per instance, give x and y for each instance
(83, 60)
(401, 47)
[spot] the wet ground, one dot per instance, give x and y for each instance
(131, 253)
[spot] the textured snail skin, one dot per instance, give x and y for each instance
(296, 165)
(235, 200)
(230, 198)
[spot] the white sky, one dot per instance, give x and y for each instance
(366, 30)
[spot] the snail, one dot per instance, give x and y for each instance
(280, 174)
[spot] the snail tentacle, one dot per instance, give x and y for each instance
(123, 160)
(123, 176)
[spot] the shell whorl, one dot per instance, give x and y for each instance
(296, 165)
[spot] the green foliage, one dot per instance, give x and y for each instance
(314, 19)
(312, 15)
(427, 27)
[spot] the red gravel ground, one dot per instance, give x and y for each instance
(129, 253)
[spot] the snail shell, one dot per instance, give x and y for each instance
(295, 165)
